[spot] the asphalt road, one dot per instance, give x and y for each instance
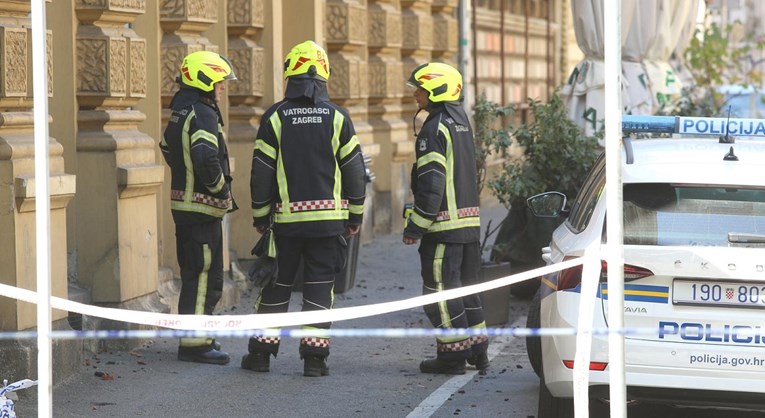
(369, 377)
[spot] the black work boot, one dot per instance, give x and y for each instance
(480, 361)
(204, 354)
(315, 366)
(257, 361)
(439, 366)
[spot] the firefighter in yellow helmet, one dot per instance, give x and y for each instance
(200, 191)
(445, 216)
(308, 179)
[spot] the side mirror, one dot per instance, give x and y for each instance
(548, 204)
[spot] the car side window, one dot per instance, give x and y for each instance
(584, 204)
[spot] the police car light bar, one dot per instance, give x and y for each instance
(692, 125)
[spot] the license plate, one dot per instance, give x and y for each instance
(703, 292)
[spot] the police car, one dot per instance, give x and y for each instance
(694, 270)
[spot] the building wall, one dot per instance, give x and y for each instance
(112, 69)
(517, 49)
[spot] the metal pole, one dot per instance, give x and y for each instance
(503, 94)
(526, 29)
(612, 13)
(475, 49)
(42, 209)
(464, 53)
(549, 50)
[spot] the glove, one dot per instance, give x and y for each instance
(263, 271)
(265, 247)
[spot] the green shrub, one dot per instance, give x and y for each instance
(556, 155)
(490, 135)
(716, 57)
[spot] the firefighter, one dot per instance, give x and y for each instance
(308, 173)
(194, 148)
(445, 216)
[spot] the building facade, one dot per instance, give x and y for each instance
(112, 66)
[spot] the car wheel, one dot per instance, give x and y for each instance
(552, 407)
(534, 343)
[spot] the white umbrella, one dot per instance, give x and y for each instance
(584, 90)
(673, 19)
(684, 39)
(639, 37)
(653, 30)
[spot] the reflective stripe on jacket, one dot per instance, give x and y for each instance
(195, 149)
(307, 170)
(446, 203)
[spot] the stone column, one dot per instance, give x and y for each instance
(118, 179)
(349, 83)
(312, 24)
(18, 256)
(389, 125)
(416, 48)
(445, 31)
(246, 22)
(417, 40)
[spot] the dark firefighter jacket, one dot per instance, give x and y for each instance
(446, 205)
(307, 169)
(194, 148)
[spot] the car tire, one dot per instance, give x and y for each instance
(534, 343)
(552, 407)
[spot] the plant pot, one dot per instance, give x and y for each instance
(520, 240)
(496, 302)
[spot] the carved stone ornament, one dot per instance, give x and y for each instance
(248, 65)
(189, 10)
(246, 13)
(346, 23)
(15, 49)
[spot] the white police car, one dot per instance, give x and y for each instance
(694, 270)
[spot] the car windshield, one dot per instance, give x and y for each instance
(664, 214)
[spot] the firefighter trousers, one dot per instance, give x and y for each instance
(448, 266)
(322, 259)
(200, 258)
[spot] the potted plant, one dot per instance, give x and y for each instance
(553, 154)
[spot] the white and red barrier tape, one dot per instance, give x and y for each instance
(229, 324)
